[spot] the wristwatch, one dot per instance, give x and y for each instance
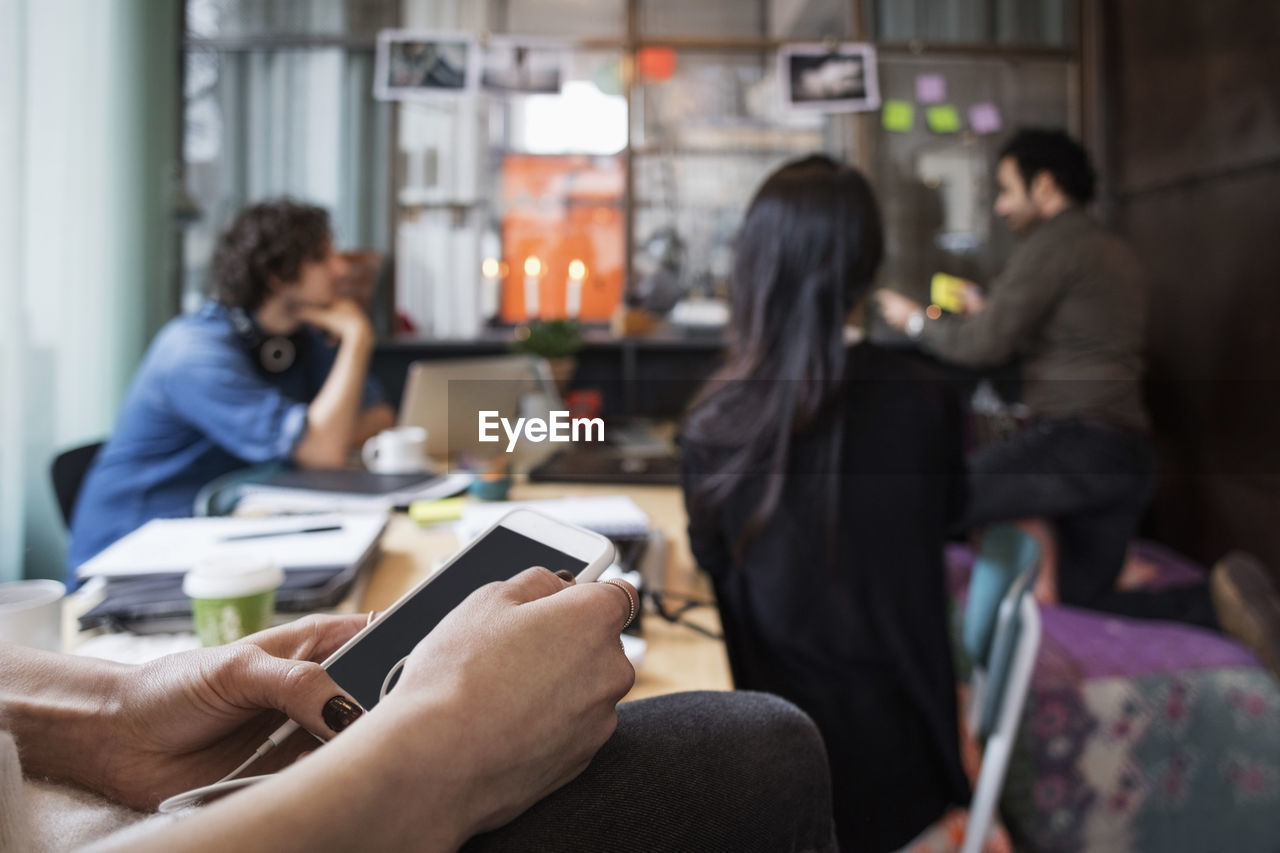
(914, 325)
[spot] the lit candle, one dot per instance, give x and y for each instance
(532, 269)
(573, 288)
(491, 270)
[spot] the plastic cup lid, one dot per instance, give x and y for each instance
(232, 576)
(24, 595)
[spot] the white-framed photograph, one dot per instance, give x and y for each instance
(829, 78)
(523, 66)
(420, 64)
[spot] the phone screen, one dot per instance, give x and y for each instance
(497, 556)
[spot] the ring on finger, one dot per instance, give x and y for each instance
(633, 606)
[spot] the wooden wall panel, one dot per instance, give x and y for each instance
(1194, 119)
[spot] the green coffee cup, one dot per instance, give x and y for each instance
(232, 596)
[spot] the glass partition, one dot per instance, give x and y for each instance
(1048, 23)
(264, 19)
(707, 127)
(565, 19)
(724, 19)
(936, 189)
(629, 179)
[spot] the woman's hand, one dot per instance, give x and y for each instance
(895, 308)
(505, 701)
(188, 719)
(526, 676)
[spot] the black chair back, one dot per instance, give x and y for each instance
(68, 470)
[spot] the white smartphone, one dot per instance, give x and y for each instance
(368, 665)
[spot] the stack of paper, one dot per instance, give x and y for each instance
(614, 515)
(140, 576)
(174, 545)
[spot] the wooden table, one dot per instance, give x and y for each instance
(677, 658)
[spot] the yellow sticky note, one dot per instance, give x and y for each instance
(897, 116)
(947, 292)
(434, 512)
(942, 118)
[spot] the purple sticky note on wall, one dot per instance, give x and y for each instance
(930, 88)
(985, 118)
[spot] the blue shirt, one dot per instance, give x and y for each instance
(199, 407)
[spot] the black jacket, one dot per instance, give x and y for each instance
(839, 602)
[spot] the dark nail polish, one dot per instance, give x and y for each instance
(566, 575)
(340, 712)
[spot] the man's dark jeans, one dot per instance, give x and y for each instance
(1093, 482)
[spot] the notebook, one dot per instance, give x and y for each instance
(173, 545)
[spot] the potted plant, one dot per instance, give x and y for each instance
(558, 341)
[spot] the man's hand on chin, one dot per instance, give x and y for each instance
(343, 319)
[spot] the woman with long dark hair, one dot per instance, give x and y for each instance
(820, 475)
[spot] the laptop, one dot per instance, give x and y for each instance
(445, 397)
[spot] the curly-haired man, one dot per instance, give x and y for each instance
(251, 377)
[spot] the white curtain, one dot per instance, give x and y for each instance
(87, 160)
(12, 338)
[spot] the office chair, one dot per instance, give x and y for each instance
(67, 471)
(1001, 636)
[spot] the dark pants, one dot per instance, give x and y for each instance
(1093, 482)
(733, 772)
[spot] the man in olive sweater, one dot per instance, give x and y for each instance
(1071, 304)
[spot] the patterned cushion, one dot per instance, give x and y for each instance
(1143, 735)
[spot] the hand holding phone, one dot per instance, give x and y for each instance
(530, 669)
(368, 665)
(956, 295)
(521, 683)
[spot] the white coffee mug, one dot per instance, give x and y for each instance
(402, 450)
(31, 613)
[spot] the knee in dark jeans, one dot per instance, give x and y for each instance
(754, 765)
(708, 771)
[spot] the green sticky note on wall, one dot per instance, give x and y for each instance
(942, 118)
(897, 116)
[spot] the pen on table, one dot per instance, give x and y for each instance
(268, 534)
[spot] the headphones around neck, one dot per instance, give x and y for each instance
(275, 353)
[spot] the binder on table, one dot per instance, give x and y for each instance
(142, 572)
